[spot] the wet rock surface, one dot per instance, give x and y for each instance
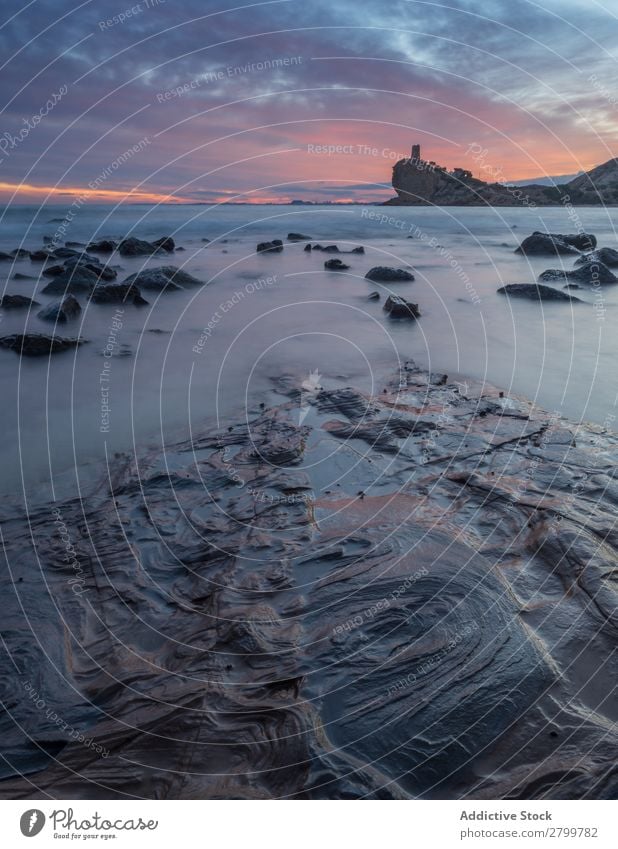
(411, 595)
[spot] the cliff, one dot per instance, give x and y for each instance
(420, 183)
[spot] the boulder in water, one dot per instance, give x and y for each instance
(61, 311)
(16, 302)
(163, 277)
(78, 279)
(535, 292)
(136, 247)
(298, 237)
(165, 244)
(38, 344)
(335, 265)
(608, 256)
(588, 274)
(398, 307)
(104, 246)
(118, 293)
(276, 246)
(388, 275)
(540, 244)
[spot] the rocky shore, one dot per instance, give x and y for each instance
(406, 595)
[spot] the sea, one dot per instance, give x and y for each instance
(195, 359)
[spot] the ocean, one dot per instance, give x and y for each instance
(195, 359)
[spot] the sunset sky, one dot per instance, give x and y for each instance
(207, 100)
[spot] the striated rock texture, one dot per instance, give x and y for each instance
(411, 595)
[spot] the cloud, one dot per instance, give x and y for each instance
(231, 97)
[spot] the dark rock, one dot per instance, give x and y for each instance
(80, 245)
(335, 265)
(398, 307)
(588, 274)
(166, 244)
(104, 246)
(53, 270)
(118, 293)
(582, 241)
(136, 247)
(39, 256)
(78, 279)
(20, 253)
(103, 272)
(359, 250)
(19, 276)
(374, 296)
(65, 253)
(61, 311)
(535, 292)
(276, 246)
(6, 257)
(307, 247)
(16, 302)
(540, 244)
(608, 256)
(164, 277)
(389, 275)
(38, 344)
(298, 237)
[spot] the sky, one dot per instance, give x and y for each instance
(214, 101)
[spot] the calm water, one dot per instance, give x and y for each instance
(300, 320)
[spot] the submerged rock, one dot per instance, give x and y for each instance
(61, 311)
(118, 293)
(75, 280)
(141, 247)
(298, 237)
(588, 274)
(335, 265)
(276, 246)
(373, 296)
(39, 256)
(388, 275)
(165, 244)
(38, 344)
(163, 277)
(535, 292)
(539, 244)
(607, 256)
(16, 302)
(398, 307)
(104, 246)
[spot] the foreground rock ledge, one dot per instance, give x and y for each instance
(440, 623)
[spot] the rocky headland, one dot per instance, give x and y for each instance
(420, 183)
